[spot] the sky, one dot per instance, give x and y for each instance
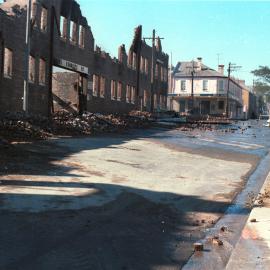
(218, 31)
(231, 31)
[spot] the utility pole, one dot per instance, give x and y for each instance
(231, 67)
(193, 68)
(192, 86)
(153, 38)
(27, 53)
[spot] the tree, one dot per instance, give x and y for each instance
(262, 85)
(263, 73)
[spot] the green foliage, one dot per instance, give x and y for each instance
(261, 88)
(262, 85)
(263, 73)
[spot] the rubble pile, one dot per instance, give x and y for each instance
(19, 126)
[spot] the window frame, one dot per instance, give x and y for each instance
(205, 83)
(183, 83)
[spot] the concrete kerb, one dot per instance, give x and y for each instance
(235, 218)
(253, 248)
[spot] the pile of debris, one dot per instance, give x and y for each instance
(22, 127)
(91, 123)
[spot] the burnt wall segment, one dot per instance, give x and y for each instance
(97, 62)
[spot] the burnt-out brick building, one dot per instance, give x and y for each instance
(60, 37)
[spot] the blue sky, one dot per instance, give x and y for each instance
(238, 31)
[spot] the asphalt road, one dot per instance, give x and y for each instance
(132, 201)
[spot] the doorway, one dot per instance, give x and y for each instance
(205, 107)
(68, 90)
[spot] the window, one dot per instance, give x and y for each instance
(128, 93)
(34, 14)
(44, 19)
(145, 98)
(42, 71)
(183, 85)
(130, 56)
(165, 74)
(119, 91)
(73, 32)
(142, 64)
(81, 36)
(63, 27)
(133, 94)
(221, 105)
(8, 56)
(163, 101)
(134, 62)
(102, 86)
(205, 85)
(113, 89)
(221, 85)
(146, 66)
(32, 67)
(95, 85)
(155, 101)
(156, 71)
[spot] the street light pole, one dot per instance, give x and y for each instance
(27, 53)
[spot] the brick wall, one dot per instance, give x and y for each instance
(69, 48)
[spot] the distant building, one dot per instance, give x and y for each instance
(209, 88)
(250, 109)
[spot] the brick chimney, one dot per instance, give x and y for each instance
(199, 60)
(221, 69)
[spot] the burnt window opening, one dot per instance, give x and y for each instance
(146, 66)
(102, 86)
(165, 74)
(42, 71)
(130, 57)
(156, 71)
(145, 97)
(63, 27)
(8, 59)
(113, 90)
(128, 93)
(81, 36)
(133, 94)
(134, 61)
(155, 101)
(32, 67)
(73, 32)
(142, 64)
(163, 101)
(95, 85)
(34, 9)
(119, 91)
(44, 19)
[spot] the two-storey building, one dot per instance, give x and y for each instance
(198, 88)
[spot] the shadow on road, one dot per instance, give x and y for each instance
(137, 229)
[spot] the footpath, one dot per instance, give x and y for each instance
(253, 248)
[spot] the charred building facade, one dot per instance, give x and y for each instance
(60, 37)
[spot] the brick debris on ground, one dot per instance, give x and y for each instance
(19, 127)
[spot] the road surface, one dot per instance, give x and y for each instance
(132, 201)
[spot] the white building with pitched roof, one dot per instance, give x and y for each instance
(209, 90)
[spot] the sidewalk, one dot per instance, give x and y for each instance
(253, 248)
